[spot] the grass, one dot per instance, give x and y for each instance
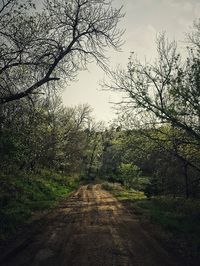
(24, 194)
(123, 193)
(178, 217)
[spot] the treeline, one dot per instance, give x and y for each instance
(156, 161)
(45, 134)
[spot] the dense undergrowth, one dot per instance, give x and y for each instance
(177, 217)
(23, 194)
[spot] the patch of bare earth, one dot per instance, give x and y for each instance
(91, 228)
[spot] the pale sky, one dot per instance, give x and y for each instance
(144, 19)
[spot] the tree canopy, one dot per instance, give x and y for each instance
(40, 48)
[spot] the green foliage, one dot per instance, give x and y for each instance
(111, 186)
(23, 194)
(129, 173)
(123, 193)
(112, 155)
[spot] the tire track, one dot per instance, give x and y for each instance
(91, 228)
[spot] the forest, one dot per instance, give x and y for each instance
(149, 155)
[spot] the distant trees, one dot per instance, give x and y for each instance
(112, 155)
(43, 135)
(39, 48)
(152, 160)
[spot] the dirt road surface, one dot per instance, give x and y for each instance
(91, 228)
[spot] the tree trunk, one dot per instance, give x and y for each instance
(185, 169)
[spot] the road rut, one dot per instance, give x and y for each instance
(91, 228)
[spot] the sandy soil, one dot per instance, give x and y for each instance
(91, 228)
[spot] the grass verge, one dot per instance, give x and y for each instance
(177, 217)
(23, 195)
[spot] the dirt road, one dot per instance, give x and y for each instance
(91, 228)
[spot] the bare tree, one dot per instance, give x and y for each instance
(40, 48)
(167, 89)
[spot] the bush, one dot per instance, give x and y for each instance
(131, 177)
(111, 186)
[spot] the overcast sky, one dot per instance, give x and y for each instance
(143, 20)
